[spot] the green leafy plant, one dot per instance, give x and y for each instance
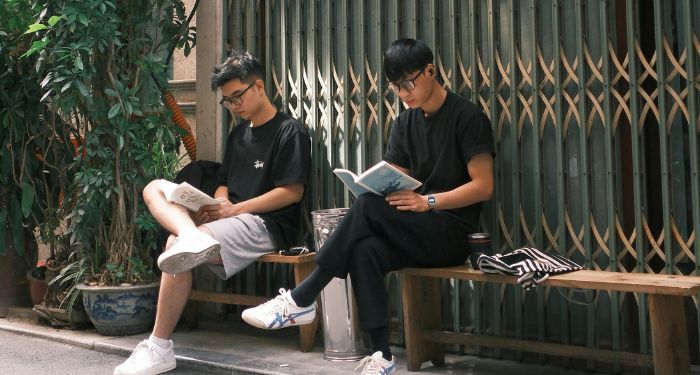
(35, 146)
(102, 67)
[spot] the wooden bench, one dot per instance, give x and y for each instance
(422, 317)
(302, 265)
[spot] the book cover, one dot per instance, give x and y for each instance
(186, 195)
(381, 179)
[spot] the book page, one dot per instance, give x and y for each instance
(384, 179)
(348, 179)
(190, 197)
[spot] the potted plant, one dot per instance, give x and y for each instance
(34, 155)
(103, 68)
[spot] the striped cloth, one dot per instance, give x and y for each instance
(532, 266)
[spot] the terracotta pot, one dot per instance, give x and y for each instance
(37, 288)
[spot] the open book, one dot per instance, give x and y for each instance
(186, 195)
(381, 179)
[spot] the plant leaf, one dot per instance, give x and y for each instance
(53, 20)
(17, 228)
(27, 199)
(113, 111)
(45, 95)
(35, 27)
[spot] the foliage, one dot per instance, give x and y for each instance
(34, 145)
(101, 67)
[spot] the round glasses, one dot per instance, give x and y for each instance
(230, 101)
(406, 84)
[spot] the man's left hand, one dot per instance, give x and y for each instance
(408, 200)
(219, 211)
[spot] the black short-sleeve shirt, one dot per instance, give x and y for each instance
(259, 159)
(436, 149)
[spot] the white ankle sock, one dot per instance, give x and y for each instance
(161, 343)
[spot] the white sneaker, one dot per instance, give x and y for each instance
(280, 312)
(147, 359)
(377, 365)
(188, 252)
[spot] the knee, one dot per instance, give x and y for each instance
(363, 253)
(151, 192)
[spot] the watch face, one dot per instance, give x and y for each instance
(431, 201)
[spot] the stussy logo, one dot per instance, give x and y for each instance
(258, 164)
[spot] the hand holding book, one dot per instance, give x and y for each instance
(186, 195)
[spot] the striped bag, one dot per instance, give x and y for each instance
(532, 266)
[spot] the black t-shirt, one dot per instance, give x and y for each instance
(436, 149)
(259, 159)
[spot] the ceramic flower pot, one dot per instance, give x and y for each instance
(121, 310)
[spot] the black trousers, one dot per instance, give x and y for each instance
(375, 238)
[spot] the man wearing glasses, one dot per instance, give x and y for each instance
(261, 184)
(442, 140)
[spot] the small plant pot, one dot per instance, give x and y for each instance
(37, 289)
(121, 310)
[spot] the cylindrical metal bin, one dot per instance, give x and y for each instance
(342, 337)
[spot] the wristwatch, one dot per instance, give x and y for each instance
(431, 201)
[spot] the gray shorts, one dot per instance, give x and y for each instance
(244, 238)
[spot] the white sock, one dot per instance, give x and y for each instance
(161, 343)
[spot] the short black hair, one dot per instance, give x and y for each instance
(405, 56)
(239, 65)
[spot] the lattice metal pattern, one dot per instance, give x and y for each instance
(596, 110)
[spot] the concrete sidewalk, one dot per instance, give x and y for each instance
(219, 349)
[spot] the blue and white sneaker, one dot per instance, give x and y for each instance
(377, 365)
(280, 312)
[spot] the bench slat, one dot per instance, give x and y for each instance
(287, 259)
(585, 279)
(226, 298)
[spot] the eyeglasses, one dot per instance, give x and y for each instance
(230, 101)
(408, 84)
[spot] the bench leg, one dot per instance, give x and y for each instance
(307, 333)
(421, 312)
(669, 335)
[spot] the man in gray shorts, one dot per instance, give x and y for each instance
(261, 185)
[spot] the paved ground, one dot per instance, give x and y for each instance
(26, 355)
(31, 348)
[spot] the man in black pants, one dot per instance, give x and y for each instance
(442, 140)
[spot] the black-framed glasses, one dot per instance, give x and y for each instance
(230, 101)
(408, 84)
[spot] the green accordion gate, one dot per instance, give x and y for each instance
(595, 107)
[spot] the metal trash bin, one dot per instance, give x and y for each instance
(342, 337)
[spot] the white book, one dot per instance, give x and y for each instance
(186, 195)
(382, 179)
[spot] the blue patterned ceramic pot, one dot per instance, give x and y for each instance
(121, 310)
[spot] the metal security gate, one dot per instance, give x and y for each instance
(595, 105)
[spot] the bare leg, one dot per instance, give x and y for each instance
(173, 217)
(172, 298)
(173, 295)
